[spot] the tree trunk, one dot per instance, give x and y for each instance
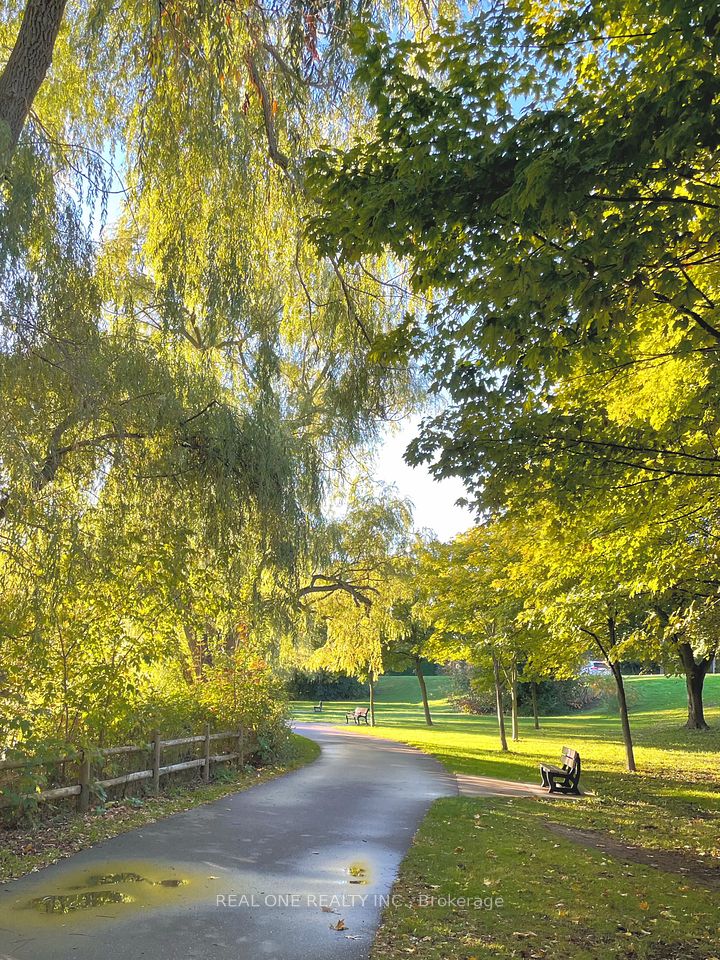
(695, 674)
(622, 700)
(624, 718)
(514, 701)
(536, 715)
(371, 684)
(617, 675)
(499, 702)
(423, 690)
(25, 70)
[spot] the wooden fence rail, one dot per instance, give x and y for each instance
(154, 771)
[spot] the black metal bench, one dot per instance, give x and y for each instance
(318, 707)
(566, 777)
(358, 714)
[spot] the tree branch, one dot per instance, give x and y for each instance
(330, 585)
(266, 103)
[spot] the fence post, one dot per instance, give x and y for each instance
(241, 747)
(84, 796)
(206, 767)
(156, 752)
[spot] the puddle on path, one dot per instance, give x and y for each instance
(118, 888)
(81, 900)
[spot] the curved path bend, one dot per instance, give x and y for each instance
(259, 875)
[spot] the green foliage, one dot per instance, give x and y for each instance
(548, 175)
(182, 377)
(352, 607)
(563, 208)
(472, 693)
(604, 690)
(323, 685)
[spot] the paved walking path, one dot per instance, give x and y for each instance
(331, 834)
(473, 786)
(470, 785)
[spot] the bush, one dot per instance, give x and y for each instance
(605, 691)
(235, 689)
(324, 685)
(557, 696)
(473, 693)
(470, 693)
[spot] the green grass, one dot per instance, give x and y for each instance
(670, 758)
(35, 844)
(563, 898)
(391, 689)
(528, 894)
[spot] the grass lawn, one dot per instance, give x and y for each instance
(406, 690)
(529, 894)
(569, 885)
(36, 843)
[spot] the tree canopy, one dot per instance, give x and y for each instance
(548, 176)
(185, 381)
(236, 241)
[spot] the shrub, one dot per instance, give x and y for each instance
(557, 696)
(605, 691)
(473, 693)
(235, 689)
(324, 685)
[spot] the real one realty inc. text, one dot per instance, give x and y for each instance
(331, 902)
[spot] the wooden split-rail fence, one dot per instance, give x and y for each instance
(154, 770)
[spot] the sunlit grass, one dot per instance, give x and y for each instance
(469, 744)
(678, 770)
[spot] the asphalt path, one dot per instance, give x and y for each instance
(292, 869)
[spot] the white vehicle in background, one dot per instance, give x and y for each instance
(596, 668)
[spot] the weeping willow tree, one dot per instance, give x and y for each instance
(183, 377)
(352, 605)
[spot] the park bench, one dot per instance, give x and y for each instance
(358, 714)
(318, 707)
(566, 777)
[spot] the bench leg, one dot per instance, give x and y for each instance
(564, 787)
(555, 787)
